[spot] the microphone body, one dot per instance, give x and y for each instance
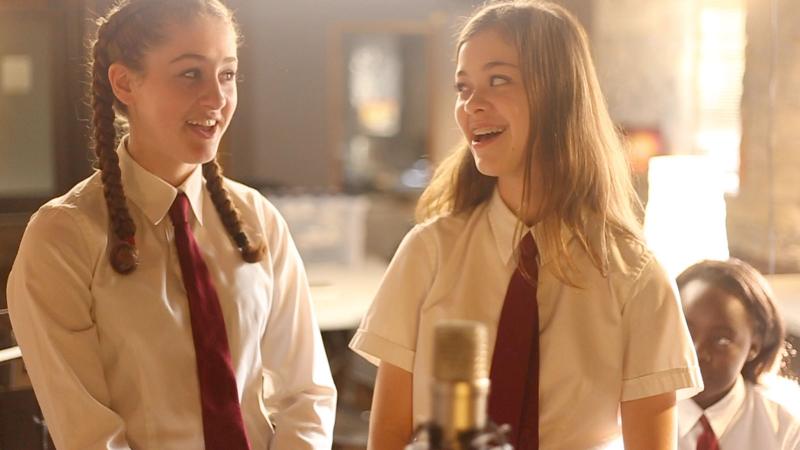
(460, 392)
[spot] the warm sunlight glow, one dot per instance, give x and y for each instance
(685, 217)
(720, 68)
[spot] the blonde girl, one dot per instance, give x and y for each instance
(539, 202)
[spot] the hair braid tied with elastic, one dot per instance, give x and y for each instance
(229, 214)
(123, 255)
(123, 36)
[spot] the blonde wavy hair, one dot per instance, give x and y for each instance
(585, 175)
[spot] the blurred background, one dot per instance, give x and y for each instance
(346, 108)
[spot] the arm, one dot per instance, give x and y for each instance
(390, 420)
(659, 355)
(650, 423)
(299, 391)
(50, 301)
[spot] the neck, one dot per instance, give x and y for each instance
(706, 402)
(171, 171)
(511, 192)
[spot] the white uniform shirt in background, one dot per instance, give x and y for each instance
(111, 356)
(620, 337)
(749, 417)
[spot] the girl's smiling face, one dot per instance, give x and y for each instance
(723, 335)
(492, 108)
(181, 104)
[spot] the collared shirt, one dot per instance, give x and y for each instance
(617, 337)
(111, 356)
(749, 417)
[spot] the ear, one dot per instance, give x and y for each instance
(755, 348)
(121, 80)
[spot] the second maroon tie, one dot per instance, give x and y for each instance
(223, 427)
(707, 439)
(514, 392)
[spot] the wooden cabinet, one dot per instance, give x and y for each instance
(21, 424)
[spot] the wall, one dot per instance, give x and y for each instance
(283, 128)
(764, 218)
(644, 53)
(284, 118)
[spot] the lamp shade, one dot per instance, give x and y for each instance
(685, 214)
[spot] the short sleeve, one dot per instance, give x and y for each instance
(388, 332)
(659, 354)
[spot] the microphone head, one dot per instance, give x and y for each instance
(459, 351)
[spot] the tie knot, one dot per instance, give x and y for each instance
(528, 252)
(706, 424)
(179, 211)
(527, 247)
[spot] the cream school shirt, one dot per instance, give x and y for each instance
(620, 337)
(749, 417)
(111, 356)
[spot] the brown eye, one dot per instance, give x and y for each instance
(191, 74)
(723, 341)
(498, 81)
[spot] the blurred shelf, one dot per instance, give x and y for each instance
(7, 354)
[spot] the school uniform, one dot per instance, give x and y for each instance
(615, 338)
(749, 417)
(111, 356)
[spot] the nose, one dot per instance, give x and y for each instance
(475, 103)
(214, 95)
(702, 354)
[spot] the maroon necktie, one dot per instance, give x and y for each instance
(514, 393)
(223, 427)
(707, 439)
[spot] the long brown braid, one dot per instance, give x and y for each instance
(123, 35)
(229, 214)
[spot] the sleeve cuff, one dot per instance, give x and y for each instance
(685, 381)
(375, 349)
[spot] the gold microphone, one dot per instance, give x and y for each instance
(460, 393)
(460, 382)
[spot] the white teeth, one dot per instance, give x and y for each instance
(202, 123)
(488, 130)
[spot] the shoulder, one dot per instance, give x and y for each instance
(252, 204)
(627, 254)
(83, 202)
(634, 270)
(782, 395)
(70, 227)
(243, 194)
(446, 231)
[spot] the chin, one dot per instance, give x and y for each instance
(485, 171)
(485, 167)
(201, 154)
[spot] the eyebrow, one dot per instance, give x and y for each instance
(724, 329)
(490, 65)
(196, 57)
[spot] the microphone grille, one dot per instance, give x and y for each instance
(459, 351)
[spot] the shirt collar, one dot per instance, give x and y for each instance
(153, 195)
(503, 223)
(719, 415)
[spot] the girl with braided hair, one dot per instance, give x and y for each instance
(158, 304)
